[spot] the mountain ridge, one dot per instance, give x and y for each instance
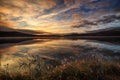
(102, 32)
(29, 33)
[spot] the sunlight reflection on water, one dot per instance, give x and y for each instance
(56, 52)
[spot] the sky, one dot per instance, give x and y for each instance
(60, 16)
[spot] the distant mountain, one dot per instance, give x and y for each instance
(29, 33)
(9, 32)
(102, 32)
(14, 34)
(106, 32)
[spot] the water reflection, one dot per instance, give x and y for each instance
(39, 55)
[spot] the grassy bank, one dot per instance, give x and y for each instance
(79, 70)
(85, 71)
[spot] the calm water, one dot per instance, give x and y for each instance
(49, 53)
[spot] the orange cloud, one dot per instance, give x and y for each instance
(46, 4)
(49, 15)
(9, 24)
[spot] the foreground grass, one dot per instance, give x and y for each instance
(85, 71)
(79, 70)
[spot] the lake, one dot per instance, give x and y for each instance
(45, 54)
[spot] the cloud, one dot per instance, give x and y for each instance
(7, 24)
(117, 9)
(47, 4)
(57, 12)
(55, 15)
(69, 2)
(109, 19)
(84, 23)
(25, 7)
(104, 20)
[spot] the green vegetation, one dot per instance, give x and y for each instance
(79, 70)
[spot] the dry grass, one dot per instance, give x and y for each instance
(79, 70)
(82, 70)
